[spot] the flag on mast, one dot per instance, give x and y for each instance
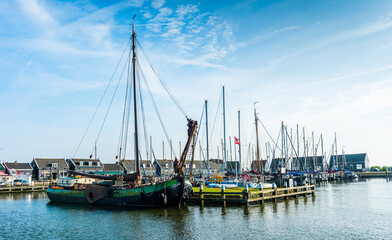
(236, 141)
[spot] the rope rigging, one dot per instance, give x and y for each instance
(100, 101)
(110, 105)
(126, 112)
(156, 108)
(161, 81)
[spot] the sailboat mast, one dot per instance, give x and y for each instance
(208, 152)
(224, 127)
(134, 101)
(257, 141)
(239, 139)
(297, 167)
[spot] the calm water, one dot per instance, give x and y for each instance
(354, 210)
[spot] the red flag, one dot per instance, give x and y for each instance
(236, 141)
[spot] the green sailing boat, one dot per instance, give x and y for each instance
(130, 190)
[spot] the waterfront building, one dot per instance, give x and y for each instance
(112, 168)
(22, 171)
(310, 163)
(148, 169)
(4, 177)
(233, 165)
(259, 165)
(352, 162)
(49, 168)
(85, 165)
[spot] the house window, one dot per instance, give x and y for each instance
(94, 163)
(55, 165)
(85, 163)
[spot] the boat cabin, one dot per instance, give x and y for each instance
(70, 182)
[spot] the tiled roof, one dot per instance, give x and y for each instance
(112, 167)
(47, 162)
(84, 160)
(18, 166)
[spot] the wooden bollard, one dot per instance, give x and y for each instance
(201, 196)
(262, 193)
(223, 195)
(275, 191)
(245, 195)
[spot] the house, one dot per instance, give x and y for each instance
(19, 171)
(4, 177)
(49, 168)
(352, 162)
(85, 165)
(148, 169)
(112, 168)
(258, 165)
(310, 163)
(233, 165)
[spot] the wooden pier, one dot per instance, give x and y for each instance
(380, 174)
(241, 196)
(22, 189)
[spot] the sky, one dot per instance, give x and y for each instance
(324, 65)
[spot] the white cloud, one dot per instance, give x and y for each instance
(36, 12)
(157, 3)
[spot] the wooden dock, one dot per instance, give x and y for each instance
(380, 174)
(241, 196)
(22, 189)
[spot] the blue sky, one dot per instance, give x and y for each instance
(325, 65)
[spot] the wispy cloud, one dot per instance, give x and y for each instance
(331, 80)
(192, 30)
(157, 3)
(381, 24)
(265, 36)
(36, 12)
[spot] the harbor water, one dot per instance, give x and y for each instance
(349, 210)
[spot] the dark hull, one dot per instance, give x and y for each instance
(170, 193)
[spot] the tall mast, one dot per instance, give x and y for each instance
(257, 140)
(281, 160)
(208, 152)
(239, 139)
(322, 152)
(314, 153)
(304, 165)
(224, 127)
(336, 151)
(297, 150)
(163, 158)
(138, 173)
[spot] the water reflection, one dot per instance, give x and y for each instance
(351, 209)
